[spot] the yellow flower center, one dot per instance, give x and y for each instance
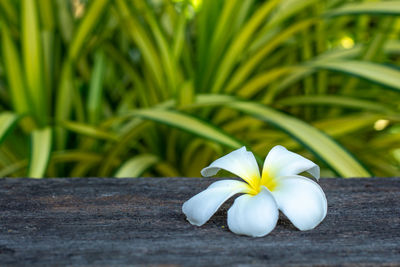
(267, 181)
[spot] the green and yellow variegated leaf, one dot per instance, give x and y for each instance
(96, 88)
(324, 147)
(14, 73)
(109, 84)
(33, 60)
(7, 123)
(87, 25)
(336, 100)
(190, 124)
(88, 130)
(380, 74)
(371, 8)
(135, 166)
(41, 142)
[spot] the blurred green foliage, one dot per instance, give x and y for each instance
(133, 88)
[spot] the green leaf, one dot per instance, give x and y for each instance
(371, 8)
(179, 35)
(335, 100)
(128, 132)
(33, 59)
(66, 21)
(96, 88)
(6, 6)
(15, 78)
(254, 85)
(333, 55)
(7, 123)
(165, 51)
(323, 146)
(240, 42)
(47, 22)
(347, 124)
(88, 130)
(288, 8)
(190, 124)
(285, 10)
(247, 67)
(221, 37)
(142, 40)
(63, 103)
(92, 16)
(392, 47)
(374, 72)
(302, 71)
(136, 166)
(13, 168)
(41, 141)
(75, 155)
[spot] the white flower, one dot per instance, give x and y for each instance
(255, 213)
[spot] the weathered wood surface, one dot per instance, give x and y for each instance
(100, 221)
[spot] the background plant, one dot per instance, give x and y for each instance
(161, 88)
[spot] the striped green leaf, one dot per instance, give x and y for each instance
(66, 86)
(142, 40)
(33, 59)
(63, 103)
(237, 46)
(372, 8)
(92, 16)
(323, 146)
(340, 126)
(14, 74)
(164, 48)
(13, 168)
(253, 86)
(96, 88)
(136, 166)
(41, 142)
(7, 123)
(9, 11)
(71, 155)
(88, 130)
(339, 54)
(374, 72)
(129, 132)
(245, 69)
(190, 124)
(335, 100)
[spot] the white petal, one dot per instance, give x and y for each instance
(239, 162)
(201, 207)
(282, 162)
(253, 215)
(302, 201)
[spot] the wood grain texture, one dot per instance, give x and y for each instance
(104, 221)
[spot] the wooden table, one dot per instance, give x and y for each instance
(105, 221)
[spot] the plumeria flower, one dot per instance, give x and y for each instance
(256, 212)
